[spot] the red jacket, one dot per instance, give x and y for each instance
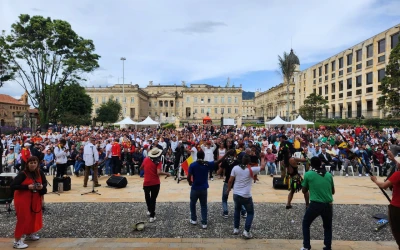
(25, 154)
(116, 149)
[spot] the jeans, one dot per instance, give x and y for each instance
(271, 167)
(202, 196)
(314, 210)
(225, 201)
(361, 166)
(108, 166)
(78, 165)
(248, 204)
(150, 194)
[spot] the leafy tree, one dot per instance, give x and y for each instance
(47, 54)
(109, 112)
(75, 106)
(6, 73)
(287, 66)
(313, 106)
(389, 101)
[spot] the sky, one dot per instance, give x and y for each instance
(207, 41)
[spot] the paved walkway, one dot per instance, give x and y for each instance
(191, 244)
(349, 190)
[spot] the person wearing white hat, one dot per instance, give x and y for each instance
(152, 166)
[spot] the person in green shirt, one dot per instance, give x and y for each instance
(319, 184)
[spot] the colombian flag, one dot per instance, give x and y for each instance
(185, 165)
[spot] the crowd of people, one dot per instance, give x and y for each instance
(236, 155)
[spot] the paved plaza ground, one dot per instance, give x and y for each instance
(74, 221)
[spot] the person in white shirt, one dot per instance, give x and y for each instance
(209, 154)
(108, 157)
(91, 159)
(193, 151)
(162, 143)
(61, 153)
(242, 175)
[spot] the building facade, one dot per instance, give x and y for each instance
(248, 110)
(165, 102)
(16, 112)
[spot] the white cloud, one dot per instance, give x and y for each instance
(191, 40)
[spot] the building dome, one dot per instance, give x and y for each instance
(293, 56)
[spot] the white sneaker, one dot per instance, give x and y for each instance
(32, 237)
(128, 174)
(212, 179)
(247, 235)
(204, 226)
(367, 175)
(193, 222)
(347, 175)
(359, 175)
(236, 231)
(19, 244)
(152, 219)
(244, 215)
(148, 213)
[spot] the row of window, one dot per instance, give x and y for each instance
(208, 100)
(349, 58)
(117, 99)
(17, 108)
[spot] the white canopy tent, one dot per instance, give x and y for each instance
(277, 121)
(148, 122)
(126, 121)
(300, 121)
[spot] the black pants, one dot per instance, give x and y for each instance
(61, 169)
(23, 165)
(1, 162)
(150, 194)
(394, 221)
(116, 165)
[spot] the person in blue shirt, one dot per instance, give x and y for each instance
(48, 161)
(365, 160)
(199, 171)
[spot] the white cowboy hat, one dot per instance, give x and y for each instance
(155, 152)
(27, 144)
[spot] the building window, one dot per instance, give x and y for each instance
(320, 90)
(195, 111)
(341, 95)
(202, 110)
(155, 113)
(96, 100)
(369, 78)
(333, 97)
(349, 59)
(359, 66)
(326, 78)
(222, 99)
(359, 55)
(333, 75)
(394, 40)
(358, 81)
(320, 79)
(215, 99)
(160, 103)
(103, 99)
(117, 99)
(315, 91)
(155, 104)
(202, 100)
(381, 46)
(333, 87)
(381, 74)
(326, 69)
(229, 110)
(369, 105)
(333, 66)
(349, 83)
(216, 110)
(370, 51)
(229, 99)
(149, 113)
(187, 99)
(349, 93)
(370, 62)
(315, 73)
(370, 90)
(315, 81)
(209, 100)
(132, 99)
(349, 69)
(236, 110)
(340, 85)
(149, 104)
(340, 72)
(124, 99)
(340, 62)
(236, 99)
(195, 100)
(381, 59)
(320, 71)
(358, 92)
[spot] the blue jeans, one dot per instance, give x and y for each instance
(360, 166)
(78, 165)
(202, 196)
(108, 166)
(314, 210)
(248, 204)
(225, 201)
(271, 167)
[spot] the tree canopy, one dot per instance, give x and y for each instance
(287, 66)
(109, 112)
(46, 54)
(389, 101)
(313, 106)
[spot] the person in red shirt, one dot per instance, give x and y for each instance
(25, 154)
(394, 207)
(152, 166)
(116, 157)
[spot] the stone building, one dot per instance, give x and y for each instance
(165, 102)
(248, 110)
(14, 112)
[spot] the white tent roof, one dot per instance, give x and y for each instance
(277, 120)
(148, 121)
(300, 121)
(126, 121)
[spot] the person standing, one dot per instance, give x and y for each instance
(91, 159)
(152, 167)
(25, 155)
(243, 176)
(394, 207)
(1, 155)
(209, 154)
(116, 157)
(319, 184)
(61, 153)
(108, 158)
(28, 187)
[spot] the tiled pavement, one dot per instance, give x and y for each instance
(191, 244)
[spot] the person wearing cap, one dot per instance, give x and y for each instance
(319, 184)
(152, 167)
(394, 207)
(25, 154)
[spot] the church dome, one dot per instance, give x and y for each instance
(293, 56)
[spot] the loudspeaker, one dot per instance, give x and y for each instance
(66, 183)
(117, 181)
(277, 183)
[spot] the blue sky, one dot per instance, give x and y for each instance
(169, 41)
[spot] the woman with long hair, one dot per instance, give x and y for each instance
(28, 187)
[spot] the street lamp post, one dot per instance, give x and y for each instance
(31, 116)
(123, 83)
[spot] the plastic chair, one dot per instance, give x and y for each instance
(377, 169)
(349, 167)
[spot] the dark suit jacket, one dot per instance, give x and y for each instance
(325, 161)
